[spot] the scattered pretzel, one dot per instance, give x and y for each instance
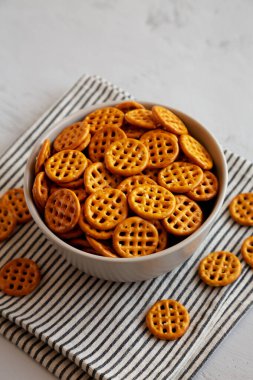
(19, 277)
(168, 319)
(247, 250)
(241, 209)
(15, 200)
(219, 268)
(8, 221)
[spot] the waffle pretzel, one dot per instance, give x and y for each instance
(207, 189)
(76, 233)
(77, 183)
(135, 237)
(104, 117)
(151, 173)
(168, 319)
(129, 183)
(126, 157)
(162, 235)
(62, 211)
(186, 218)
(219, 268)
(102, 139)
(79, 191)
(97, 177)
(133, 132)
(151, 201)
(180, 177)
(80, 243)
(168, 120)
(84, 144)
(19, 277)
(91, 231)
(195, 152)
(43, 155)
(40, 190)
(71, 136)
(66, 166)
(105, 208)
(241, 209)
(141, 118)
(163, 149)
(129, 105)
(247, 250)
(102, 249)
(15, 199)
(8, 221)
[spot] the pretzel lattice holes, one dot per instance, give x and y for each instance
(206, 189)
(163, 148)
(168, 319)
(104, 117)
(66, 166)
(71, 137)
(97, 177)
(151, 201)
(62, 211)
(130, 183)
(169, 120)
(19, 277)
(140, 118)
(15, 199)
(241, 209)
(135, 237)
(126, 157)
(102, 139)
(180, 177)
(105, 208)
(8, 222)
(196, 152)
(247, 250)
(186, 217)
(219, 268)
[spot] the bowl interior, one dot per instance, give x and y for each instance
(195, 129)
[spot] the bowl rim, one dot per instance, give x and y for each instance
(62, 244)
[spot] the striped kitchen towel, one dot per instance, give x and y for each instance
(78, 326)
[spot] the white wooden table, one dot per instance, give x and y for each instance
(195, 55)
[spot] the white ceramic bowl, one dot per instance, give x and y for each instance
(140, 268)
